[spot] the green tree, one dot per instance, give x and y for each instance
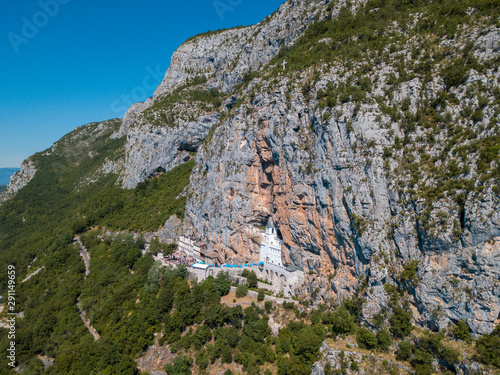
(404, 350)
(252, 279)
(241, 291)
(227, 355)
(181, 366)
(202, 359)
(223, 283)
(340, 321)
(409, 273)
(366, 339)
(488, 348)
(461, 331)
(383, 340)
(400, 322)
(202, 335)
(261, 296)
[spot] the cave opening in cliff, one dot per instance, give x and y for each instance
(461, 210)
(157, 172)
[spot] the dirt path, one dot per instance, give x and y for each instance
(83, 316)
(84, 254)
(86, 259)
(33, 274)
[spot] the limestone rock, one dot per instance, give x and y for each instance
(19, 180)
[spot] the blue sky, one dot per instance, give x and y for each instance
(65, 63)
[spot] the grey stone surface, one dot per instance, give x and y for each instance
(19, 180)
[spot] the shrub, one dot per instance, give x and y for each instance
(181, 366)
(400, 322)
(461, 331)
(488, 348)
(261, 296)
(202, 359)
(383, 340)
(202, 335)
(241, 291)
(378, 320)
(455, 74)
(288, 305)
(227, 355)
(268, 305)
(404, 350)
(410, 271)
(477, 116)
(340, 321)
(366, 339)
(222, 283)
(448, 354)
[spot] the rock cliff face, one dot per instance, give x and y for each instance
(369, 164)
(222, 59)
(19, 180)
(334, 176)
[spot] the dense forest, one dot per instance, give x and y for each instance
(129, 299)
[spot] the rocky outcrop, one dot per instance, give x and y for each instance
(348, 357)
(151, 149)
(344, 205)
(222, 58)
(19, 180)
(226, 56)
(347, 183)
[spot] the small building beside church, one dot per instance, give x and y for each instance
(192, 247)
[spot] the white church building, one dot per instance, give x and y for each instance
(270, 249)
(270, 267)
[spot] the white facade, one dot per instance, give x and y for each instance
(270, 249)
(191, 247)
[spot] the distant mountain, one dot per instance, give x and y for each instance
(5, 174)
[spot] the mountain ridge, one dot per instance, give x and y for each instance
(375, 150)
(154, 142)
